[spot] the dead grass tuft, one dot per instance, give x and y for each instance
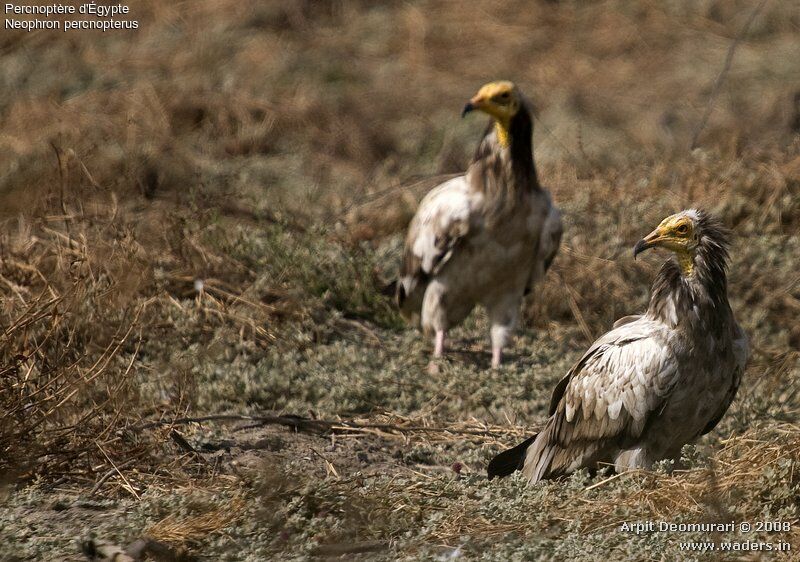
(191, 529)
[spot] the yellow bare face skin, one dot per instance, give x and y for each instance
(677, 234)
(501, 101)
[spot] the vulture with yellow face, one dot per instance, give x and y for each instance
(656, 381)
(486, 237)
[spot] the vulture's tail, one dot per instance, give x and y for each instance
(409, 293)
(509, 461)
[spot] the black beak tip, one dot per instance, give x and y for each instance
(640, 247)
(467, 108)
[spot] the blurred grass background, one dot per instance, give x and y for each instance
(200, 216)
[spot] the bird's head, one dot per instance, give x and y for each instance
(500, 99)
(679, 233)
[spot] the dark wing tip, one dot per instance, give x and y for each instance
(400, 295)
(509, 461)
(391, 289)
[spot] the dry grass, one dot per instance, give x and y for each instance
(200, 217)
(188, 530)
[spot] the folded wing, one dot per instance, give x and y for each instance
(549, 242)
(441, 224)
(605, 401)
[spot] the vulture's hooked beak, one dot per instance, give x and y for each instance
(478, 102)
(645, 243)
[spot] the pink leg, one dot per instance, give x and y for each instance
(438, 346)
(438, 352)
(502, 320)
(497, 356)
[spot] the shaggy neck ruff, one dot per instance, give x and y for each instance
(694, 290)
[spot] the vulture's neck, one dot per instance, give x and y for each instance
(692, 291)
(512, 146)
(519, 135)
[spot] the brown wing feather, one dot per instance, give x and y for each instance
(741, 352)
(549, 242)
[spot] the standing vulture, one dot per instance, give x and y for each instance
(484, 237)
(655, 382)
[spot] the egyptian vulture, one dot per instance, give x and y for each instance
(654, 382)
(485, 237)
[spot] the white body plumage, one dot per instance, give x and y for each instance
(469, 257)
(485, 237)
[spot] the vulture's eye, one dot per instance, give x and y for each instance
(682, 229)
